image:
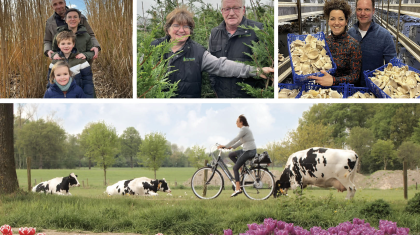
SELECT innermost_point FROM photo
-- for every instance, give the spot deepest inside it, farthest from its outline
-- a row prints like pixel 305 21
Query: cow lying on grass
pixel 139 186
pixel 321 167
pixel 59 185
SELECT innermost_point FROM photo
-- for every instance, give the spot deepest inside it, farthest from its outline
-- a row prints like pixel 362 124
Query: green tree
pixel 415 137
pixel 262 56
pixel 196 156
pixel 409 152
pixel 101 144
pixel 130 142
pixel 403 123
pixel 44 142
pixel 153 150
pixel 361 141
pixel 381 122
pixel 339 117
pixel 74 152
pixel 152 69
pixel 383 153
pixel 311 135
pixel 8 178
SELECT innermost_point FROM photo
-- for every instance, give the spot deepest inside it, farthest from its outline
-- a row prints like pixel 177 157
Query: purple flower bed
pixel 359 227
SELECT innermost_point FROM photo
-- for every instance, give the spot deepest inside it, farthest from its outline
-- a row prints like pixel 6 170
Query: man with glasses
pixel 228 40
pixel 377 45
pixel 56 20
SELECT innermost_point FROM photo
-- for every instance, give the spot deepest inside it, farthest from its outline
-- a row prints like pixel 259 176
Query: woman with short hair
pixel 344 49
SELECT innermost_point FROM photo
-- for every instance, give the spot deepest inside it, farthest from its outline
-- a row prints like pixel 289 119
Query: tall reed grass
pixel 23 66
pixel 113 25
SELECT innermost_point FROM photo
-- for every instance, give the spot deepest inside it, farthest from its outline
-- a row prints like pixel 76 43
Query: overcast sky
pixel 185 124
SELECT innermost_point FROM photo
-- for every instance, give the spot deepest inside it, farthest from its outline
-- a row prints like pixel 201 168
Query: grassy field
pixel 182 213
pixel 93 181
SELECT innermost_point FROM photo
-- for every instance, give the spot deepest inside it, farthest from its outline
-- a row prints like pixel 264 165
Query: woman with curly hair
pixel 345 50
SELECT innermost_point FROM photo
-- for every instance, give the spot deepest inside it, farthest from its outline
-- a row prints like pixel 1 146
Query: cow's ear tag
pixel 159 185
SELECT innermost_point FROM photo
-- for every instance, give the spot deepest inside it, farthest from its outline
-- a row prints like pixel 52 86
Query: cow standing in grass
pixel 320 167
pixel 139 186
pixel 59 185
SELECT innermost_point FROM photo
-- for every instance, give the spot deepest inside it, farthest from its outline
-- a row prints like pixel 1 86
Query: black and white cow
pixel 321 167
pixel 59 185
pixel 139 186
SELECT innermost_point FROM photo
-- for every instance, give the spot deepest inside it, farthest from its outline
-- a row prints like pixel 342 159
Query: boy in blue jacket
pixel 79 67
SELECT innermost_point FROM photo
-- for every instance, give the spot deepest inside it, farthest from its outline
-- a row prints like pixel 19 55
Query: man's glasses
pixel 177 27
pixel 235 9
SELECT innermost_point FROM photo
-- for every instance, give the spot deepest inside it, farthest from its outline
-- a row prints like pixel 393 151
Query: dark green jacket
pixel 83 42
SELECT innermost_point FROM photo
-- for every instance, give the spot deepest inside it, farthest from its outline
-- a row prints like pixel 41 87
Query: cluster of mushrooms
pixel 309 56
pixel 287 93
pixel 321 94
pixel 397 82
pixel 360 95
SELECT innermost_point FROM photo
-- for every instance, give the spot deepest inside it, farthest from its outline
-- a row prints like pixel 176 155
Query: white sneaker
pixel 234 194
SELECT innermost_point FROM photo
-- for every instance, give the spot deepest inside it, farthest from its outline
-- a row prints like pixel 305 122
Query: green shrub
pixel 413 205
pixel 377 209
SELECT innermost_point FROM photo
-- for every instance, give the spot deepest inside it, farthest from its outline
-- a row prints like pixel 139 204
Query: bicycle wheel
pixel 205 190
pixel 258 184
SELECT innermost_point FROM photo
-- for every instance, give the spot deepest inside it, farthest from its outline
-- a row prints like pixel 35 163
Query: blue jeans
pixel 239 157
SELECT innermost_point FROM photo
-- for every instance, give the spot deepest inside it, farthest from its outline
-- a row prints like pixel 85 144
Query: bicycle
pixel 257 182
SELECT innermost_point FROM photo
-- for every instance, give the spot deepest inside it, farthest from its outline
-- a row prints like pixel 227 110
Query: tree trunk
pixel 155 173
pixel 8 178
pixel 40 162
pixel 105 173
pixel 89 163
pixel 131 157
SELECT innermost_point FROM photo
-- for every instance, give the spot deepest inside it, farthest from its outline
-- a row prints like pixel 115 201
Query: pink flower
pixel 5 229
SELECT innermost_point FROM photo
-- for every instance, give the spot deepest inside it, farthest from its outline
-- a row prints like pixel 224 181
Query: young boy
pixel 79 67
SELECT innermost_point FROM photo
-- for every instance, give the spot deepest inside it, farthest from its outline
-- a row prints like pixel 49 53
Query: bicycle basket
pixel 262 159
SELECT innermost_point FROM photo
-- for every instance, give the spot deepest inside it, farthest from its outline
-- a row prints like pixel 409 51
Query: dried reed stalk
pixel 112 22
pixel 23 65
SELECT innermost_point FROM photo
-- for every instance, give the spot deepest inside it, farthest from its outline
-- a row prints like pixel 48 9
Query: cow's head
pixel 163 186
pixel 284 183
pixel 73 180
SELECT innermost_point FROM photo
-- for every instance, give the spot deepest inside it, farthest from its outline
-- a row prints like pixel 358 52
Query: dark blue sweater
pixel 74 91
pixel 377 46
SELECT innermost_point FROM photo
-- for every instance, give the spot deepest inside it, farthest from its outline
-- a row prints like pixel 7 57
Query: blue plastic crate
pixel 379 93
pixel 351 90
pixel 300 79
pixel 290 87
pixel 341 88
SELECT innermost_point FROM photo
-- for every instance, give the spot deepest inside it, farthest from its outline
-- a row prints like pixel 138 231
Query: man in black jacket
pixel 227 40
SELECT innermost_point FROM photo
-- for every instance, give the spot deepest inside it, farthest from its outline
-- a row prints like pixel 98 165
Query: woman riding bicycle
pixel 239 157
